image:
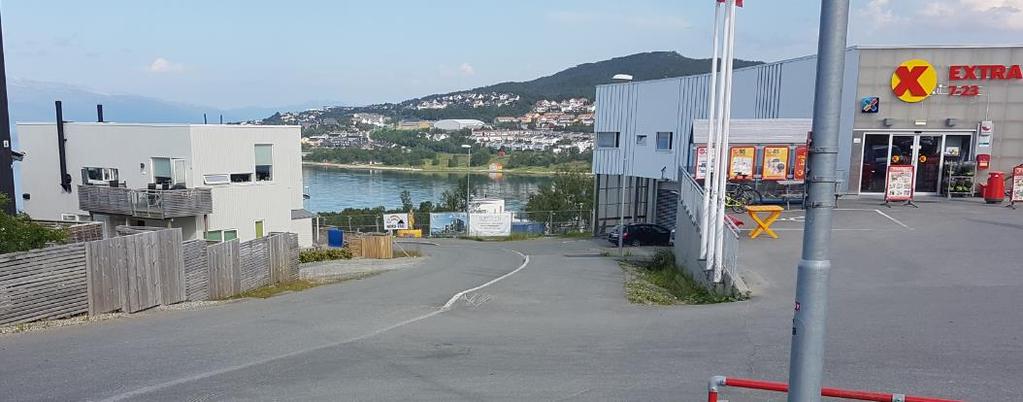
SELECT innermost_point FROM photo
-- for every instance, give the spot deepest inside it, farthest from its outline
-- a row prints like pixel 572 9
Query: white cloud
pixel 162 65
pixel 1004 15
pixel 466 69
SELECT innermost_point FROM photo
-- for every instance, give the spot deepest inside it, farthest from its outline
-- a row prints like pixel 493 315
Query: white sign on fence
pixel 395 221
pixel 490 225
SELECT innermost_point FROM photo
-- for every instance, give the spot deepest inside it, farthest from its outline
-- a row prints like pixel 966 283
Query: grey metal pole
pixel 809 323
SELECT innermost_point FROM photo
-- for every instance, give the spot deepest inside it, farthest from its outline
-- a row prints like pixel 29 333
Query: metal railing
pixel 539 223
pixel 145 203
pixel 691 199
pixel 713 388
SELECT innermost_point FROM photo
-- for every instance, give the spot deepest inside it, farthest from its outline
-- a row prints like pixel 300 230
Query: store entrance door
pixel 923 151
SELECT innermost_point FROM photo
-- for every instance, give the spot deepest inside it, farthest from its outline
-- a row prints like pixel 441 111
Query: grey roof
pixel 301 214
pixel 758 131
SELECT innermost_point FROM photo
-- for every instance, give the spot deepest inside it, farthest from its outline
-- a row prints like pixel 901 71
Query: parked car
pixel 643 234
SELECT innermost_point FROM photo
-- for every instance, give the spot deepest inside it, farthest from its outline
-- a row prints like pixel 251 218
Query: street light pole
pixel 809 323
pixel 468 163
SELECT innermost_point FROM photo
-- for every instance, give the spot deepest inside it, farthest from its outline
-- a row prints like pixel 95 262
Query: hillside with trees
pixel 575 82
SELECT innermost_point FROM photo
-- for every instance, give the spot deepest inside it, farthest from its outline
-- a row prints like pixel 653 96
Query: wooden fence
pixel 197 273
pixel 133 273
pixel 136 272
pixel 41 284
pixel 239 267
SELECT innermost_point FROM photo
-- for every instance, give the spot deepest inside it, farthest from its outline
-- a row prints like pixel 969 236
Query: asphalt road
pixel 924 301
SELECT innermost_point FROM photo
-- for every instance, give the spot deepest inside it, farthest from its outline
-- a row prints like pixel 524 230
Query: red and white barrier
pixel 720 381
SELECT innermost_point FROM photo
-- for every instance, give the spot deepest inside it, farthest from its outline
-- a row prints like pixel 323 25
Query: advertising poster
pixel 799 172
pixel 776 163
pixel 899 185
pixel 447 224
pixel 701 162
pixel 1017 184
pixel 490 225
pixel 741 162
pixel 395 221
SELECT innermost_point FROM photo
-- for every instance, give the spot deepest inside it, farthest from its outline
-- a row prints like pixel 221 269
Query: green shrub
pixel 324 254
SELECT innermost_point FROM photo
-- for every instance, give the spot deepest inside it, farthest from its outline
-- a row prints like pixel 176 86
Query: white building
pixel 458 124
pixel 218 182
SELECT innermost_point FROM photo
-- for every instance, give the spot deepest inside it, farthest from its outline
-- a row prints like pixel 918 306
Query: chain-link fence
pixel 532 223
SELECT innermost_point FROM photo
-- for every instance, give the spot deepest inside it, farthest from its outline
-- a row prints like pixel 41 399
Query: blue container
pixel 335 237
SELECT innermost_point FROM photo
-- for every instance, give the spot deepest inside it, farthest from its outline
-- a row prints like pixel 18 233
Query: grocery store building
pixel 952 112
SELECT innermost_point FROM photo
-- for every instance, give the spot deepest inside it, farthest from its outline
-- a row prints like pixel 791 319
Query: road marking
pixel 454 299
pixel 897 222
pixel 225 370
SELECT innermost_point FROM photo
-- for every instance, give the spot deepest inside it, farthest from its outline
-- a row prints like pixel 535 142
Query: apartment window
pixel 264 162
pixel 216 179
pixel 664 140
pixel 95 175
pixel 241 177
pixel 221 235
pixel 641 139
pixel 607 139
pixel 169 170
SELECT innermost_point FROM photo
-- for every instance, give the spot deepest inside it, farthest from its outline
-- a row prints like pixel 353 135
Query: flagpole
pixel 709 169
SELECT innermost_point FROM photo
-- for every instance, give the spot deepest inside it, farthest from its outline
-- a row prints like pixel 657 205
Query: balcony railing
pixel 151 204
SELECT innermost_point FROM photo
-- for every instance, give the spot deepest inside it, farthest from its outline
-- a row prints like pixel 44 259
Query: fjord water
pixel 334 189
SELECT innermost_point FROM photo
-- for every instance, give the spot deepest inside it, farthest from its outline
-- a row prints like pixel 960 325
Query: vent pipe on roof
pixel 221 119
pixel 204 118
pixel 65 179
pixel 99 113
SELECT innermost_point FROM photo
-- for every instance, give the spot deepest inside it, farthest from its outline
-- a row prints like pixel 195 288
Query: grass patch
pixel 658 282
pixel 273 290
pixel 324 254
pixel 576 235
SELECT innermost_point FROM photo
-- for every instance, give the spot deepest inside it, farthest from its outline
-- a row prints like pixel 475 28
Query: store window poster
pixel 741 162
pixel 776 163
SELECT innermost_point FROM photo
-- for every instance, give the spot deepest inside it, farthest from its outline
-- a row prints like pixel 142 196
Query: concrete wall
pixel 1001 101
pixel 127 147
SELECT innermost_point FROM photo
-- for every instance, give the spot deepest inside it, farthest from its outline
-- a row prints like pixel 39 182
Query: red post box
pixel 994 191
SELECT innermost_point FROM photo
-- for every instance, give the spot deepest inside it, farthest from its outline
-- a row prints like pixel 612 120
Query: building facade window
pixel 664 140
pixel 95 175
pixel 641 139
pixel 241 177
pixel 169 171
pixel 221 235
pixel 607 139
pixel 216 179
pixel 264 162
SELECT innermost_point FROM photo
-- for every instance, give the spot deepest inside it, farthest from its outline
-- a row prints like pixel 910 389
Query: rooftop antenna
pixel 204 118
pixel 99 113
pixel 221 119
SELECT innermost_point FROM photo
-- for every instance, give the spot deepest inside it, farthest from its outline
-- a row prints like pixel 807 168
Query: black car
pixel 643 234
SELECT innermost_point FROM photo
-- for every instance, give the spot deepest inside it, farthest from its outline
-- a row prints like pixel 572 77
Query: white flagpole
pixel 717 193
pixel 726 116
pixel 710 168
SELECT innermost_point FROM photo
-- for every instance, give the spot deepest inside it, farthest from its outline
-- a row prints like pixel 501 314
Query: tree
pixel 454 199
pixel 452 161
pixel 406 200
pixel 480 157
pixel 425 206
pixel 569 196
pixel 19 233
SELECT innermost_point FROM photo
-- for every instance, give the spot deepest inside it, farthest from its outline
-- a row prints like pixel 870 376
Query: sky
pixel 239 53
